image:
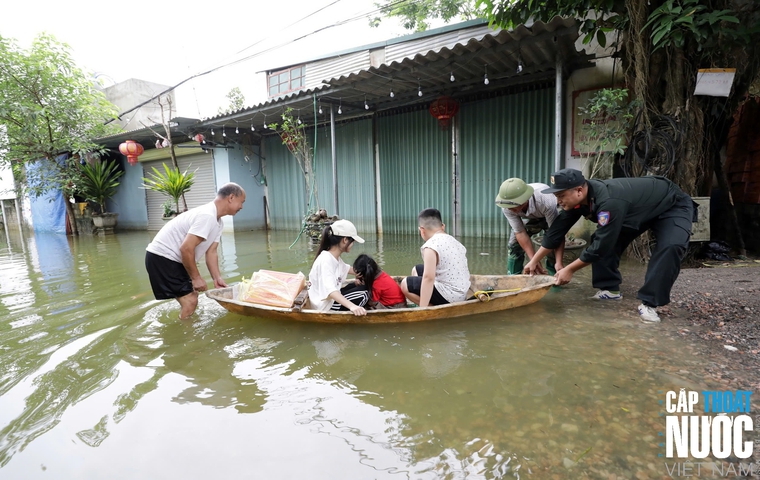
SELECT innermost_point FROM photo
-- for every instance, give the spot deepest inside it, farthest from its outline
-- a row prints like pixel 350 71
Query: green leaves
pixel 676 22
pixel 601 38
pixel 236 101
pixel 293 135
pixel 597 17
pixel 48 106
pixel 416 15
pixel 171 182
pixel 607 119
pixel 99 181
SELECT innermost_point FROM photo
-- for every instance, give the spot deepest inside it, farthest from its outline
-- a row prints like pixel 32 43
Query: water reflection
pixel 51 257
pixel 94 369
pixel 204 355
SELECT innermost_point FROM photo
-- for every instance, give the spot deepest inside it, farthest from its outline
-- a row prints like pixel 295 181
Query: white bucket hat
pixel 344 228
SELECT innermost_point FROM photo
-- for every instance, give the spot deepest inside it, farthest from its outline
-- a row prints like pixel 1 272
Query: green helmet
pixel 513 193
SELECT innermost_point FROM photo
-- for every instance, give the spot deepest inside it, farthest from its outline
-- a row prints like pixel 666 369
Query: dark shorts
pixel 168 278
pixel 414 284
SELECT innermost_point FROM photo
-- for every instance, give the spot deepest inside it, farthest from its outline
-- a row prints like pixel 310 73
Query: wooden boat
pixel 488 293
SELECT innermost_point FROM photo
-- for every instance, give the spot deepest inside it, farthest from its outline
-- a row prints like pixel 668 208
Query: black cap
pixel 564 179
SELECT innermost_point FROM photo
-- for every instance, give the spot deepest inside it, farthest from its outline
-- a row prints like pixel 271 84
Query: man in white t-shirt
pixel 171 257
pixel 528 212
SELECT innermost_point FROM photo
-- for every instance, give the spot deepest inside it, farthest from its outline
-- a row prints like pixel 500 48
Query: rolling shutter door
pixel 202 191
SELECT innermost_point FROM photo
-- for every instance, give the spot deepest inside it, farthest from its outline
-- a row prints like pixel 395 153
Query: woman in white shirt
pixel 328 272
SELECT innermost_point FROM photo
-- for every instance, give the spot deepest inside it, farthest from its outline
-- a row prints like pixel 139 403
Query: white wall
pixel 598 76
pixel 133 92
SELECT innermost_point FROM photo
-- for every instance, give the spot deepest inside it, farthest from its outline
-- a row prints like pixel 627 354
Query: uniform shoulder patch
pixel 603 218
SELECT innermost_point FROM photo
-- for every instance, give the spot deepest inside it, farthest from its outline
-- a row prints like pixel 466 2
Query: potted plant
pixel 169 212
pixel 315 223
pixel 172 183
pixel 98 181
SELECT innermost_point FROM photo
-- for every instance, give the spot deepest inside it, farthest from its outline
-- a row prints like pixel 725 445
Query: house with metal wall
pixel 379 154
pixel 214 164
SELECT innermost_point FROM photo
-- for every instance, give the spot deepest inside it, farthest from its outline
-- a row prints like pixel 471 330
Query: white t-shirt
pixel 452 275
pixel 200 221
pixel 326 276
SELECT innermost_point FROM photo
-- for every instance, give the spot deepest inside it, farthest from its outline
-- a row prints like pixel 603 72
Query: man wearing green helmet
pixel 529 212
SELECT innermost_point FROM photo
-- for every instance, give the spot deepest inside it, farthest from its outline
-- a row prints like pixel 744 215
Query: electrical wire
pixel 653 148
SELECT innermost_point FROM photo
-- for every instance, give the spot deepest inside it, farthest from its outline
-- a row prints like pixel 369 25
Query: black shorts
pixel 168 278
pixel 414 284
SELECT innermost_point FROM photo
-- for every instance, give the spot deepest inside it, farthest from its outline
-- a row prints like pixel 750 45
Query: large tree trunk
pixel 663 81
pixel 725 194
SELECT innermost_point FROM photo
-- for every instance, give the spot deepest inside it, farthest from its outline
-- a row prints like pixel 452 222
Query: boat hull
pixel 531 290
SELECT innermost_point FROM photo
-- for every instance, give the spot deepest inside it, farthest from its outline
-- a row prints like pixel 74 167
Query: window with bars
pixel 285 81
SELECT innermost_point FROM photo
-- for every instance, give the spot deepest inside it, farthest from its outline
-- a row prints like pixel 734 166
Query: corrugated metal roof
pixel 180 126
pixel 463 26
pixel 467 53
pixel 316 71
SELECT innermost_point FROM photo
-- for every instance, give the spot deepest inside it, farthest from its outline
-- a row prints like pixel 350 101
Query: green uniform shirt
pixel 613 205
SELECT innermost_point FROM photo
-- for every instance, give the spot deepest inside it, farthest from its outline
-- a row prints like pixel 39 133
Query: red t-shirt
pixel 386 291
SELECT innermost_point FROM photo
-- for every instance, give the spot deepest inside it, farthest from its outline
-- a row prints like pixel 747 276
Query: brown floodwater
pixel 99 380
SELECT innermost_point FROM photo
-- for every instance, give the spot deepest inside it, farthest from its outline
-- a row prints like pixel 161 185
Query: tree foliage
pixel 48 106
pixel 293 135
pixel 609 114
pixel 416 15
pixel 236 99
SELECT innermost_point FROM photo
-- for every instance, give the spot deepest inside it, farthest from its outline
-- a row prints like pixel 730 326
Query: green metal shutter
pixel 356 177
pixel 415 169
pixel 286 186
pixel 356 173
pixel 504 137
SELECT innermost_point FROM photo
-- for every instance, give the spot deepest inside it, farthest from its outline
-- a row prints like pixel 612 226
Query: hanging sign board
pixel 715 82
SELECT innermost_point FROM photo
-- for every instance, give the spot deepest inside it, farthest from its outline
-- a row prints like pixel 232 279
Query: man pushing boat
pixel 623 209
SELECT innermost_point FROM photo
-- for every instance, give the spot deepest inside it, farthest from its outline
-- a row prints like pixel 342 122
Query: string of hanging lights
pixel 442 108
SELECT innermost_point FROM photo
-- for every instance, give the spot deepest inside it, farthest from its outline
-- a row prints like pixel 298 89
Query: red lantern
pixel 444 109
pixel 199 138
pixel 131 150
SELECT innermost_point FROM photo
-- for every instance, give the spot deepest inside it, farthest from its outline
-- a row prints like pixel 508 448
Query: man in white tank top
pixel 444 276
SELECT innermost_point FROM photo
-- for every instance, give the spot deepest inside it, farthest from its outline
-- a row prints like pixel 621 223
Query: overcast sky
pixel 168 41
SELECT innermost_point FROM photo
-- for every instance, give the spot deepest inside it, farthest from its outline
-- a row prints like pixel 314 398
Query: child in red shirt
pixel 386 293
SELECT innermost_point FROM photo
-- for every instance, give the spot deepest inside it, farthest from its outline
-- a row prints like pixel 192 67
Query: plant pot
pixel 105 222
pixel 314 230
pixel 166 218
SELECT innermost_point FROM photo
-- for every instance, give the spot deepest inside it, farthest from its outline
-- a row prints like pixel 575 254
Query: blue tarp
pixel 48 210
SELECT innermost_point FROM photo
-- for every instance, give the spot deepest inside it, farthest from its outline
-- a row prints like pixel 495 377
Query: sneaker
pixel 648 314
pixel 607 295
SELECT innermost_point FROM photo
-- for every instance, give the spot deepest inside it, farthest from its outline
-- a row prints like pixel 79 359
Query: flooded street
pixel 98 380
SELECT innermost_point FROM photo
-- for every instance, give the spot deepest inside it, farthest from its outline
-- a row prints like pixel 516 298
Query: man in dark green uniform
pixel 623 209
